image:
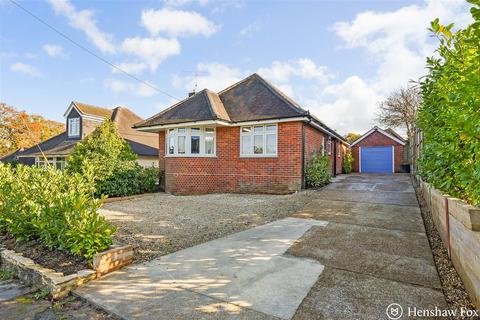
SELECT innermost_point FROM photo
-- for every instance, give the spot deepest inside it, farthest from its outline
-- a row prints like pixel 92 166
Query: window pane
pixel 171 145
pixel 209 130
pixel 195 130
pixel 271 143
pixel 181 130
pixel 181 144
pixel 271 128
pixel 258 129
pixel 209 144
pixel 246 147
pixel 246 129
pixel 258 144
pixel 195 144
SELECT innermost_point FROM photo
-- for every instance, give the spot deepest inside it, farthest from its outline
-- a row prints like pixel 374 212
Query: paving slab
pixel 398 198
pixel 246 272
pixel 340 294
pixel 390 254
pixel 397 217
pixel 10 289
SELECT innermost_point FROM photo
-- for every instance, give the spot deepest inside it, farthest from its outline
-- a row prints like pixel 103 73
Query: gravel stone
pixel 160 223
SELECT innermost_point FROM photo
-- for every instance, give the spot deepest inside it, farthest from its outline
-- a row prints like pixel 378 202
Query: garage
pixel 376 159
pixel 378 151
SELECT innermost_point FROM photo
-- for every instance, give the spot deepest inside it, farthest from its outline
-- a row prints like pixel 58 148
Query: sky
pixel 338 59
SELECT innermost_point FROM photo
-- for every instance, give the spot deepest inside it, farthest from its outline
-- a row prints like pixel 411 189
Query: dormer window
pixel 74 127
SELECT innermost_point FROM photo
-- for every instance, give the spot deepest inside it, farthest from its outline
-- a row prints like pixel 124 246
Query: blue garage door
pixel 377 159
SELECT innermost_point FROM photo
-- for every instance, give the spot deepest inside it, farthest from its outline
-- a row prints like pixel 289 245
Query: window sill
pixel 258 156
pixel 191 156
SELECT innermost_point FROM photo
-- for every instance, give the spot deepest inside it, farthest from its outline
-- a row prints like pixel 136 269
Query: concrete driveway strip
pixel 242 276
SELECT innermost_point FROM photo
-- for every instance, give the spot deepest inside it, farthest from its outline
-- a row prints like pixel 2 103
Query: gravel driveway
pixel 158 224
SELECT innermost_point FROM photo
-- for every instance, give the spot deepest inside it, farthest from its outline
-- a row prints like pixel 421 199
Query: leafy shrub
pixel 129 178
pixel 348 162
pixel 116 171
pixel 318 171
pixel 54 207
pixel 450 115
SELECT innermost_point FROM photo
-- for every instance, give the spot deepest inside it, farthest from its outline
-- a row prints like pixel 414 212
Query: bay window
pixel 258 141
pixel 192 141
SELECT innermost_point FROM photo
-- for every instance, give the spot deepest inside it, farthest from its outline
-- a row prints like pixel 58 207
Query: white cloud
pixel 84 20
pixel 214 76
pixel 25 69
pixel 283 71
pixel 177 23
pixel 55 51
pixel 130 67
pixel 151 50
pixel 131 88
pixel 250 28
pixel 179 3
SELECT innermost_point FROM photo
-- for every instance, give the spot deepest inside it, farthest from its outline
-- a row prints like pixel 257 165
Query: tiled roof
pixel 250 99
pixel 92 110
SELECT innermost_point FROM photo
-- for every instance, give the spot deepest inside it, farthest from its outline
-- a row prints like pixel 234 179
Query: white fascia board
pixel 218 123
pixel 369 132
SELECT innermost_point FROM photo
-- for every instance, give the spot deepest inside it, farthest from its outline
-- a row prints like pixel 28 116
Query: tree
pixel 351 137
pixel 104 149
pixel 400 108
pixel 20 130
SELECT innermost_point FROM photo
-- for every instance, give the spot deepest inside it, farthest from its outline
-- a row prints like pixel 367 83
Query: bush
pixel 129 178
pixel 449 117
pixel 116 170
pixel 54 207
pixel 348 162
pixel 318 171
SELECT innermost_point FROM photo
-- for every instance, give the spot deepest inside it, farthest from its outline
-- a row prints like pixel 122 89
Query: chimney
pixel 191 93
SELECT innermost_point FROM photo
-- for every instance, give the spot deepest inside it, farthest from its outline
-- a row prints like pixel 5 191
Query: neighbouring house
pixel 379 151
pixel 250 137
pixel 81 120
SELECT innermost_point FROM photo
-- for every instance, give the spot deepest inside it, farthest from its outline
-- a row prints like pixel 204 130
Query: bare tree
pixel 399 110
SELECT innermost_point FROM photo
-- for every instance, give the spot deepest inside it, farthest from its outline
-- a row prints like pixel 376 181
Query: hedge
pixel 450 115
pixel 52 206
pixel 318 171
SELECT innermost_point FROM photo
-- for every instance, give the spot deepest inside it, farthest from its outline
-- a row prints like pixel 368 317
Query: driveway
pixel 356 247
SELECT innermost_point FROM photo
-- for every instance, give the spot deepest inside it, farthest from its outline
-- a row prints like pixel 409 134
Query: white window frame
pixel 175 134
pixel 52 161
pixel 74 123
pixel 264 133
pixel 329 146
pixel 323 146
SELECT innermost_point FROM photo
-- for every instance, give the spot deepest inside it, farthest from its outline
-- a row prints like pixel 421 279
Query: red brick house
pixel 378 151
pixel 249 137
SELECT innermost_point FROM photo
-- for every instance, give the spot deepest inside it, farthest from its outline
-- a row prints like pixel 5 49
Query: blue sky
pixel 336 58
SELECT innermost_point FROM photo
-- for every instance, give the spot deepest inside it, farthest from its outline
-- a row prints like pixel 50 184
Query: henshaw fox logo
pixel 394 311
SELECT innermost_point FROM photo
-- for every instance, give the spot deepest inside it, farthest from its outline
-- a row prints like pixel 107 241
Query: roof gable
pixel 384 132
pixel 88 110
pixel 255 99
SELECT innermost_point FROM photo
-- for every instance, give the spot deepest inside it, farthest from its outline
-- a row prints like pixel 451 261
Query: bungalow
pixel 81 120
pixel 249 137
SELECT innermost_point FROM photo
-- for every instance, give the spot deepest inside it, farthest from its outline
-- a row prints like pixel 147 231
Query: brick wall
pixel 377 139
pixel 228 172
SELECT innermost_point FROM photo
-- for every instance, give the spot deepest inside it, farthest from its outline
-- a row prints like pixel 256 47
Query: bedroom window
pixel 191 142
pixel 258 141
pixel 74 127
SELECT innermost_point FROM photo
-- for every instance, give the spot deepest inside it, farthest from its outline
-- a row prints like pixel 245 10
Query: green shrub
pixel 129 178
pixel 450 115
pixel 53 206
pixel 318 171
pixel 348 162
pixel 116 170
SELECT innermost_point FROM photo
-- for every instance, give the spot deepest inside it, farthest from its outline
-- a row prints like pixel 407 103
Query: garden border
pixel 60 285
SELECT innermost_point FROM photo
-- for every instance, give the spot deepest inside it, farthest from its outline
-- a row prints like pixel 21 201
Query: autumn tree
pixel 351 137
pixel 20 130
pixel 399 109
